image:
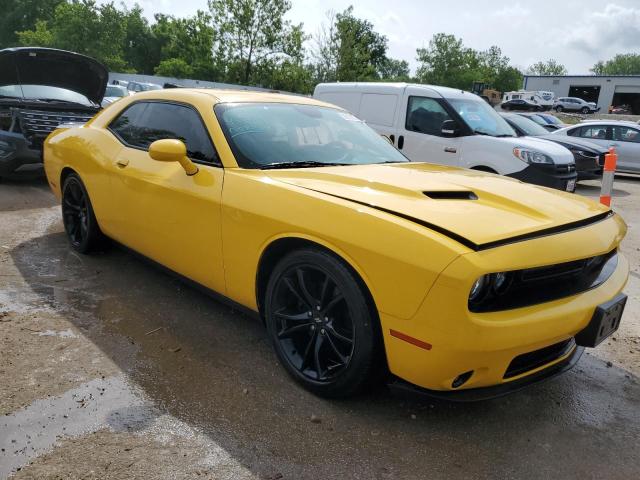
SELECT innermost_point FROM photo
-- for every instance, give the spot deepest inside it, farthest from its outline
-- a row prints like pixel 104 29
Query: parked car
pixel 533 100
pixel 588 156
pixel 41 88
pixel 621 110
pixel 136 87
pixel 574 104
pixel 358 261
pixel 114 93
pixel 521 104
pixel 546 120
pixel 452 127
pixel 624 136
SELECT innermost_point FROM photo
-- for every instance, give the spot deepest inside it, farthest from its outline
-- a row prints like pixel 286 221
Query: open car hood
pixel 54 68
pixel 477 209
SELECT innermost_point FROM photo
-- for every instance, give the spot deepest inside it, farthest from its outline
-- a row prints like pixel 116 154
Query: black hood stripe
pixel 470 244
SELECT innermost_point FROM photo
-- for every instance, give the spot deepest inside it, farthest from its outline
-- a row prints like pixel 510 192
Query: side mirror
pixel 449 128
pixel 169 150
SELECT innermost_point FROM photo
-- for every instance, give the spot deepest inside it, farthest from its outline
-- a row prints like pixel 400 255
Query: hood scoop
pixel 451 195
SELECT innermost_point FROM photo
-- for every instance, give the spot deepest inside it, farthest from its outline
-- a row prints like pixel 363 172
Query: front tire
pixel 320 323
pixel 78 218
pixel 585 110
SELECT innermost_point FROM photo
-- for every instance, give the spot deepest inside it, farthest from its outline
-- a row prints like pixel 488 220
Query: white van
pixel 540 99
pixel 452 127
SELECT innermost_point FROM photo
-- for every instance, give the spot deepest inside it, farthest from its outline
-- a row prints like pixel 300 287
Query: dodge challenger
pixel 455 283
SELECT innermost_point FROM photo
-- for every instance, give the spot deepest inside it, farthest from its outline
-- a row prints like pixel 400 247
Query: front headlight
pixel 532 156
pixel 489 286
pixel 5 149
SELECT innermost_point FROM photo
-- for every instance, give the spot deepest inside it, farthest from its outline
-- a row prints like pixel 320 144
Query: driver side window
pixel 425 115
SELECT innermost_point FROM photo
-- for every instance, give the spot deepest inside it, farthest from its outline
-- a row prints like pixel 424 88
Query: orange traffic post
pixel 610 160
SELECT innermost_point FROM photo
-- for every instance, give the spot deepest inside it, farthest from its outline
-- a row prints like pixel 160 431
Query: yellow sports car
pixel 459 283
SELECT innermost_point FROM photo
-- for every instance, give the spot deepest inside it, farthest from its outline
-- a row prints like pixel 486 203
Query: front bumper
pixel 552 176
pixel 588 168
pixel 486 393
pixel 17 153
pixel 487 343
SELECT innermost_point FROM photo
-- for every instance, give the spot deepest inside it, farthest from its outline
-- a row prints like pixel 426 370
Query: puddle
pixel 34 430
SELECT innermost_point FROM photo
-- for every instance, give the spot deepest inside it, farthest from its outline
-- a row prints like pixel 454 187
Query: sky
pixel 576 33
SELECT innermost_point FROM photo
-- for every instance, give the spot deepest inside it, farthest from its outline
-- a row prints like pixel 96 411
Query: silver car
pixel 574 104
pixel 624 136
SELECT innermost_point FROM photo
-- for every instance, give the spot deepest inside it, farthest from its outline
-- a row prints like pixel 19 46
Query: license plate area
pixel 605 321
pixel 571 185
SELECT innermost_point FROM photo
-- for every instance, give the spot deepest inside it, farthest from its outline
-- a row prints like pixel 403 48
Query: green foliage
pixel 448 62
pixel 360 50
pixel 550 67
pixel 21 15
pixel 243 41
pixel 40 36
pixel 174 67
pixel 621 64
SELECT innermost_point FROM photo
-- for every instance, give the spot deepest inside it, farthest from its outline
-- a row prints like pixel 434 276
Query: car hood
pixel 477 209
pixel 575 142
pixel 54 68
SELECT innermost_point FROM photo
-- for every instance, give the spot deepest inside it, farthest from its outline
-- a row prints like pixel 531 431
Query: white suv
pixel 574 104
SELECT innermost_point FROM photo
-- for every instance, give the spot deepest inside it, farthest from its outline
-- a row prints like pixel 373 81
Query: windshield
pixel 481 117
pixel 43 92
pixel 529 127
pixel 269 134
pixel 116 91
pixel 550 119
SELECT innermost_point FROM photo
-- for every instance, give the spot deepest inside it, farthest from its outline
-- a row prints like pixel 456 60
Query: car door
pixel 420 130
pixel 626 141
pixel 165 214
pixel 596 133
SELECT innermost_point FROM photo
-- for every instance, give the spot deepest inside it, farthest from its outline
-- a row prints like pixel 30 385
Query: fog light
pixel 461 379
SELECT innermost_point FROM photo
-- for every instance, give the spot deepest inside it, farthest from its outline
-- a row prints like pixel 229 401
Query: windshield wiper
pixel 482 132
pixel 309 163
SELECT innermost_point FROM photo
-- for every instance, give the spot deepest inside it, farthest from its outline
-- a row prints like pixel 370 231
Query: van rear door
pixel 419 125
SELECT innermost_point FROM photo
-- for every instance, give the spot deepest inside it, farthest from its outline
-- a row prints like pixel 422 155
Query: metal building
pixel 603 90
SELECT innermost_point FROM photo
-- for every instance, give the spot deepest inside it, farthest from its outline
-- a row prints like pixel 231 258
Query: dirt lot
pixel 113 369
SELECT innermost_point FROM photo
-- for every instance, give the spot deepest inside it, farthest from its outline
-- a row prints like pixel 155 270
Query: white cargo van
pixel 452 127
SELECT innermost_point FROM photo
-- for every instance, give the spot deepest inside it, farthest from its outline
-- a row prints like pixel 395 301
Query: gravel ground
pixel 113 369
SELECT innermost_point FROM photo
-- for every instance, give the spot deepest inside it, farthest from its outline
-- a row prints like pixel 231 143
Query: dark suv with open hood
pixel 41 88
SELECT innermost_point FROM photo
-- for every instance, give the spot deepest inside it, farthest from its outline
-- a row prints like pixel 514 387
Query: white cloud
pixel 614 27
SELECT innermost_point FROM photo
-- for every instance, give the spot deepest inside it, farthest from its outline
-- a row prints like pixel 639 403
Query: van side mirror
pixel 171 150
pixel 450 128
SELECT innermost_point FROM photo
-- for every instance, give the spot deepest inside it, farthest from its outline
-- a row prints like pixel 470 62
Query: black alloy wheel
pixel 320 323
pixel 559 108
pixel 585 110
pixel 77 216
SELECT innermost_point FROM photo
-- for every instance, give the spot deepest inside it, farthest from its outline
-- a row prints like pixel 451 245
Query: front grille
pixel 538 358
pixel 37 124
pixel 537 285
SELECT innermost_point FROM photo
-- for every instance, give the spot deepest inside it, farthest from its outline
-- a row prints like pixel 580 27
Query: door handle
pixel 400 142
pixel 450 149
pixel 122 162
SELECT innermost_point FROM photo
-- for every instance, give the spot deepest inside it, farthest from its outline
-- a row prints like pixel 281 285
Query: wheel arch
pixel 277 248
pixel 483 168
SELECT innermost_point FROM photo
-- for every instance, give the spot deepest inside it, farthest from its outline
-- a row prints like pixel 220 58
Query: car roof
pixel 625 123
pixel 445 92
pixel 232 96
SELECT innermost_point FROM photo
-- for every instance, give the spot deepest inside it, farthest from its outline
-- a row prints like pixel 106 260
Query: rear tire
pixel 78 218
pixel 559 108
pixel 321 325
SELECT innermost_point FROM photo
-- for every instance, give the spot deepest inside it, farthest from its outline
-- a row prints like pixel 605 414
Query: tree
pixel 325 50
pixel 494 70
pixel 174 67
pixel 40 36
pixel 252 35
pixel 393 69
pixel 550 67
pixel 447 62
pixel 22 15
pixel 360 50
pixel 621 64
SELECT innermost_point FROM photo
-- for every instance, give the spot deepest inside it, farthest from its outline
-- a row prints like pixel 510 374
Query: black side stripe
pixel 468 243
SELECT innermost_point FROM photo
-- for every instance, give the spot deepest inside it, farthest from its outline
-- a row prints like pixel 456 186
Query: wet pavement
pixel 113 369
